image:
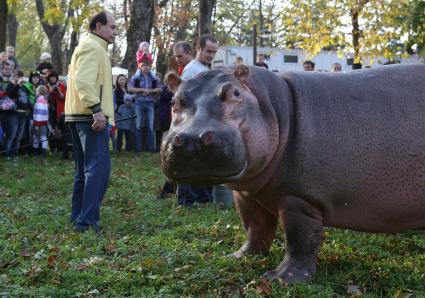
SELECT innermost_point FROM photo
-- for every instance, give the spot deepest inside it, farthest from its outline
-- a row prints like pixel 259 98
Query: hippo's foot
pixel 250 248
pixel 293 271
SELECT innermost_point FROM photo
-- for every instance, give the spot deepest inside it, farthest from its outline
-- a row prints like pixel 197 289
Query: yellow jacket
pixel 89 87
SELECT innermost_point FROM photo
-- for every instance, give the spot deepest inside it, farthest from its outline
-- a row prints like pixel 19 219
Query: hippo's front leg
pixel 259 224
pixel 303 236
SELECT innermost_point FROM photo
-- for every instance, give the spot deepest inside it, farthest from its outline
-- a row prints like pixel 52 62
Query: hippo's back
pixel 357 146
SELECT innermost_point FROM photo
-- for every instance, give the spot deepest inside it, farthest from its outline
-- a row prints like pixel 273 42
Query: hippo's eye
pixel 236 93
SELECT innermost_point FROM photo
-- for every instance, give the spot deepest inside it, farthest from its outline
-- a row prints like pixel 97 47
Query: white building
pixel 279 59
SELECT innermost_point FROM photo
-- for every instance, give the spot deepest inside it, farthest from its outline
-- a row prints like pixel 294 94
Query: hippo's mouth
pixel 208 179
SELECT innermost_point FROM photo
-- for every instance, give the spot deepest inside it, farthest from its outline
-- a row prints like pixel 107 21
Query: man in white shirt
pixel 182 51
pixel 206 51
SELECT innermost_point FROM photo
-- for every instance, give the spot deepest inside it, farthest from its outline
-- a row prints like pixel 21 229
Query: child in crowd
pixel 143 53
pixel 41 120
pixel 125 127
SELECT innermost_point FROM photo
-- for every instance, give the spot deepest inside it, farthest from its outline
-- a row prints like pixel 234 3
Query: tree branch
pixel 240 17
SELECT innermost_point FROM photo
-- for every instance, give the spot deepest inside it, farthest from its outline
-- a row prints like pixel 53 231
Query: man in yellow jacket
pixel 88 109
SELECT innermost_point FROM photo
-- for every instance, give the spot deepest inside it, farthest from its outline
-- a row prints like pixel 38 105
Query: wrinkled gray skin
pixel 341 150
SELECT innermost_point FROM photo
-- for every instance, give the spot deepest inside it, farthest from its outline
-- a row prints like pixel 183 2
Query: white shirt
pixel 192 69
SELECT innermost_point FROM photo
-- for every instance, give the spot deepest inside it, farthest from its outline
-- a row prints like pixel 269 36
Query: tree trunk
pixel 206 8
pixel 141 20
pixel 55 35
pixel 3 24
pixel 355 30
pixel 355 35
pixel 12 29
pixel 72 45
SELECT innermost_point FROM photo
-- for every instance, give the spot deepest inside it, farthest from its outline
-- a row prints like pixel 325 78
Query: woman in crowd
pixel 17 119
pixel 56 96
pixel 30 88
pixel 120 90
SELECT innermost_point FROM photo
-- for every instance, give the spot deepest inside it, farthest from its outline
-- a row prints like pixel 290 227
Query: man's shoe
pixel 81 228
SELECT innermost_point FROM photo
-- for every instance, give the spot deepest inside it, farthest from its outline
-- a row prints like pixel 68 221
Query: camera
pixel 55 88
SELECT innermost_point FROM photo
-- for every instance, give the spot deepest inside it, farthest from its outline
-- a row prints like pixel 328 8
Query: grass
pixel 154 248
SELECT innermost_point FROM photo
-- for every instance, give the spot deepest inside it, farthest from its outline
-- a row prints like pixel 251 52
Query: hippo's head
pixel 218 133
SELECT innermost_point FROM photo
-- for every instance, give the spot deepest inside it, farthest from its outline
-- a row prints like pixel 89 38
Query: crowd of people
pixel 32 116
pixel 31 109
pixel 144 95
pixel 87 116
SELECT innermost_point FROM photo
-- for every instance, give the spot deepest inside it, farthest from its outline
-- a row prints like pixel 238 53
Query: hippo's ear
pixel 241 72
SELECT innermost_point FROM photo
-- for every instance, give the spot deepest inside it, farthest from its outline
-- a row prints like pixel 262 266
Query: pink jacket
pixel 140 56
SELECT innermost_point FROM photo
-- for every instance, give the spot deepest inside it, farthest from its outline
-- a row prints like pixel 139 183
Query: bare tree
pixel 141 21
pixel 206 8
pixel 173 21
pixel 3 23
pixel 12 29
pixel 55 34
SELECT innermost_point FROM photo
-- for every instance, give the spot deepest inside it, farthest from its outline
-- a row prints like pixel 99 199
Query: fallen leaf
pixel 82 267
pixel 25 254
pixel 153 277
pixel 148 263
pixel 51 261
pixel 39 255
pixel 94 292
pixel 185 267
pixel 354 290
pixel 54 250
pixel 264 287
pixel 110 248
pixel 32 271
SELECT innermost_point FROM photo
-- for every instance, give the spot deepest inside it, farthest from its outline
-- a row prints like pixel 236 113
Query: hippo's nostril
pixel 177 141
pixel 207 137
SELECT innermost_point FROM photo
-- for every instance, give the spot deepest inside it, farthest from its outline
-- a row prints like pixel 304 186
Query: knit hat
pixel 45 56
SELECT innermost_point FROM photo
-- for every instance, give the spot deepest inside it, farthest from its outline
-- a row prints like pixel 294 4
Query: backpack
pixel 138 77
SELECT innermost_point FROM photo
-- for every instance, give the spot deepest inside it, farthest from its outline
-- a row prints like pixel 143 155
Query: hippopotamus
pixel 344 150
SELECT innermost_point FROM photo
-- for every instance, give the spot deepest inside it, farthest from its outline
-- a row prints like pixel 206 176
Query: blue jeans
pixel 121 133
pixel 40 137
pixel 15 126
pixel 92 170
pixel 144 112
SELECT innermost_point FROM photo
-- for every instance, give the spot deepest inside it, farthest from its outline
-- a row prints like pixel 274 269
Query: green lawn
pixel 154 248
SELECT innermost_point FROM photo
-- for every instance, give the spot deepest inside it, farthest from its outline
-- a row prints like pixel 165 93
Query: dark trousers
pixel 15 126
pixel 92 170
pixel 65 139
pixel 188 194
pixel 121 134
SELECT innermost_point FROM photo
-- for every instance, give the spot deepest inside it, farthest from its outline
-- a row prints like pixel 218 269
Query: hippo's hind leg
pixel 259 224
pixel 303 237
